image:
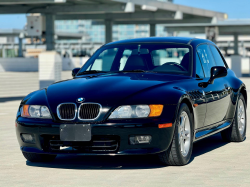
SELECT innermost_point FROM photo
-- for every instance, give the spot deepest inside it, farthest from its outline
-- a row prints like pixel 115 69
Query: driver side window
pixel 206 58
pixel 199 69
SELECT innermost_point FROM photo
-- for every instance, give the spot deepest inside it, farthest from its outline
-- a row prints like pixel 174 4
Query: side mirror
pixel 216 72
pixel 75 71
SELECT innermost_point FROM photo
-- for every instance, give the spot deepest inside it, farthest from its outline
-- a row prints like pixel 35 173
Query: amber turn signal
pixel 195 105
pixel 155 110
pixel 25 111
pixel 165 125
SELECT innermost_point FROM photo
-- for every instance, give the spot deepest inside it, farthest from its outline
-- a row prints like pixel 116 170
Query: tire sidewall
pixel 243 136
pixel 185 159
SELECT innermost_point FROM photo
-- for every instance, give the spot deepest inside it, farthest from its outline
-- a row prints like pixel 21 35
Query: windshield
pixel 164 58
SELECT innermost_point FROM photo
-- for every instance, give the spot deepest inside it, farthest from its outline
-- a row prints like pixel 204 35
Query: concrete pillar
pixel 236 58
pixel 152 29
pixel 236 42
pixel 50 67
pixel 49 62
pixel 20 47
pixel 108 30
pixel 50 32
pixel 4 53
pixel 236 65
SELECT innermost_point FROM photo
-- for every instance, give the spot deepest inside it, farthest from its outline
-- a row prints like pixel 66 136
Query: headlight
pixel 35 111
pixel 136 111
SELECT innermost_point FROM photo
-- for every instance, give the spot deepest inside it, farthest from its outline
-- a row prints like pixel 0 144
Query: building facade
pixel 96 33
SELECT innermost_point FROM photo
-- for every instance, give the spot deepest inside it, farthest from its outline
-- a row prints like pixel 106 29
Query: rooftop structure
pixel 109 13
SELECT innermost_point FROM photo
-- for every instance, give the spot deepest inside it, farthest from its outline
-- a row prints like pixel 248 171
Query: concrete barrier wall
pixel 31 64
pixel 19 64
pixel 245 67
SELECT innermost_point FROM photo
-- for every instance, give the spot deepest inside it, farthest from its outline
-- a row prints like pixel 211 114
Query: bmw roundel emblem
pixel 80 100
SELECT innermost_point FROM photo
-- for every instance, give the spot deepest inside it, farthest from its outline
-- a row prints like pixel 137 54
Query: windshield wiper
pixel 91 72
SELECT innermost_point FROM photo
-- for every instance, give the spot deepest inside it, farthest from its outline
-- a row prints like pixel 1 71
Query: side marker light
pixel 195 105
pixel 165 125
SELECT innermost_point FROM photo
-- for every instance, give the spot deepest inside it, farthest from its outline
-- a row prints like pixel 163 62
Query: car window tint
pixel 199 70
pixel 171 56
pixel 218 60
pixel 104 60
pixel 206 59
pixel 126 53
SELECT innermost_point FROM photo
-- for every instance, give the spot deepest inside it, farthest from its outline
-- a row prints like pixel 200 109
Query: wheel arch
pixel 244 93
pixel 185 99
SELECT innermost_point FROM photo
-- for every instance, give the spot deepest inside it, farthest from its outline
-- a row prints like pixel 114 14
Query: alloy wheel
pixel 241 117
pixel 184 133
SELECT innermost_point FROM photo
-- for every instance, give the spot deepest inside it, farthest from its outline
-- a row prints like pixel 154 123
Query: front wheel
pixel 33 157
pixel 237 131
pixel 180 150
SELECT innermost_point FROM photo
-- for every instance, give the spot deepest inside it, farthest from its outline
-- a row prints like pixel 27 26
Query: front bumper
pixel 47 131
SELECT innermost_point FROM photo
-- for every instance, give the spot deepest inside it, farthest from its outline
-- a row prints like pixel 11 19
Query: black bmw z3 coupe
pixel 154 95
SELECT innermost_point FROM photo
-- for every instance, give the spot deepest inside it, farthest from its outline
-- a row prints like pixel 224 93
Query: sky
pixel 236 9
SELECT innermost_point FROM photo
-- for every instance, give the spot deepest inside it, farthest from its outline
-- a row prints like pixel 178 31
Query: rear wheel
pixel 33 157
pixel 237 131
pixel 180 150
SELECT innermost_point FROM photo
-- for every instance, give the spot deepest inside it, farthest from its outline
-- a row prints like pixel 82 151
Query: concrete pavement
pixel 214 163
pixel 21 83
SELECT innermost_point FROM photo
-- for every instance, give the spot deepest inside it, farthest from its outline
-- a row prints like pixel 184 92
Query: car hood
pixel 108 89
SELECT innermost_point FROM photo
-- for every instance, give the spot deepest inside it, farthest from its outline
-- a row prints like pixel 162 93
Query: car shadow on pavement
pixel 206 145
pixel 125 162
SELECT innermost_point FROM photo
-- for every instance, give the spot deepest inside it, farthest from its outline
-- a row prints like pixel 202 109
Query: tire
pixel 33 157
pixel 237 131
pixel 176 154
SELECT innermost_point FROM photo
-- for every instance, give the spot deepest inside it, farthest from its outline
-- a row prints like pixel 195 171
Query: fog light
pixel 28 138
pixel 140 139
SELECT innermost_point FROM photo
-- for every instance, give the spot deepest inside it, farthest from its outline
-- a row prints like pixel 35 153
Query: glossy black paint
pixel 216 103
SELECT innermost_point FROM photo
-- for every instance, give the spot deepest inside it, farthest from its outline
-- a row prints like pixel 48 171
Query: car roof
pixel 182 40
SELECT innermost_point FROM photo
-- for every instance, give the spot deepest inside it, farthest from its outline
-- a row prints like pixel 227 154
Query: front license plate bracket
pixel 75 132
